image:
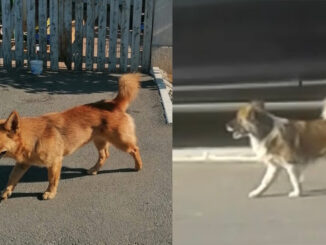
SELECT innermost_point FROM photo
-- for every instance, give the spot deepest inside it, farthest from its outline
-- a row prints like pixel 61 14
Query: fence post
pixel 54 51
pixel 136 35
pixel 78 45
pixel 148 27
pixel 124 44
pixel 6 30
pixel 114 11
pixel 67 33
pixel 101 41
pixel 19 52
pixel 42 31
pixel 90 35
pixel 30 30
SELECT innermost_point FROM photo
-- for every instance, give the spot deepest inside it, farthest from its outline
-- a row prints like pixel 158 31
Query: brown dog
pixel 45 140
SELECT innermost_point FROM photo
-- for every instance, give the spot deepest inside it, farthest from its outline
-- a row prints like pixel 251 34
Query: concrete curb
pixel 233 106
pixel 215 155
pixel 166 101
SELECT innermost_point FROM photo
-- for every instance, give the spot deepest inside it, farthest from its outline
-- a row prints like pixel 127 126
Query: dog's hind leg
pixel 269 176
pixel 131 148
pixel 294 173
pixel 16 174
pixel 103 150
pixel 134 152
pixel 54 177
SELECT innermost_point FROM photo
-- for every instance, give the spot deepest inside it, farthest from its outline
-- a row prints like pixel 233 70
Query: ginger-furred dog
pixel 44 141
pixel 280 143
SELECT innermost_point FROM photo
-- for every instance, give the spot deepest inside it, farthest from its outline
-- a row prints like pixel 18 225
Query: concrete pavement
pixel 210 206
pixel 118 206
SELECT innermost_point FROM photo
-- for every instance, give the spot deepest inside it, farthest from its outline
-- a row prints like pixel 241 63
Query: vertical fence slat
pixel 54 51
pixel 78 45
pixel 102 7
pixel 19 34
pixel 6 37
pixel 42 30
pixel 124 44
pixel 114 14
pixel 31 29
pixel 90 35
pixel 148 25
pixel 136 35
pixel 67 33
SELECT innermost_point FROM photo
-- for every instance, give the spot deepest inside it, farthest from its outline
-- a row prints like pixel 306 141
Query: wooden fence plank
pixel 42 30
pixel 102 7
pixel 31 29
pixel 54 51
pixel 18 6
pixel 90 35
pixel 114 14
pixel 67 55
pixel 78 45
pixel 148 25
pixel 6 37
pixel 124 44
pixel 135 45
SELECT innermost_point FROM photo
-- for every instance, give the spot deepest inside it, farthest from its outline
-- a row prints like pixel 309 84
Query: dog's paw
pixel 254 194
pixel 48 195
pixel 5 194
pixel 92 171
pixel 294 194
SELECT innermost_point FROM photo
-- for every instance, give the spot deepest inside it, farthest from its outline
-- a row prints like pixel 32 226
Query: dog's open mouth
pixel 2 154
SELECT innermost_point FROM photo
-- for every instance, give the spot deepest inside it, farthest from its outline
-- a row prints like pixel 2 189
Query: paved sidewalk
pixel 118 206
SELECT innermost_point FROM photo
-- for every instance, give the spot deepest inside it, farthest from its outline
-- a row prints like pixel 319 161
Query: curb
pixel 233 106
pixel 214 155
pixel 166 101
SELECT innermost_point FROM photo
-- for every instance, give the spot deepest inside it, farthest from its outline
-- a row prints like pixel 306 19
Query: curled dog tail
pixel 323 113
pixel 128 90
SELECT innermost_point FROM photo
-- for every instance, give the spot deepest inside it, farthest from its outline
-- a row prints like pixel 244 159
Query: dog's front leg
pixel 269 176
pixel 294 173
pixel 54 177
pixel 16 174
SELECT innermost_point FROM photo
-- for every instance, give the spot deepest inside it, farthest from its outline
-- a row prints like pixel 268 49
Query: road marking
pixel 221 154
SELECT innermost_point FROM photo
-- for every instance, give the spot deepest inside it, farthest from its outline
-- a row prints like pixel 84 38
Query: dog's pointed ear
pixel 12 123
pixel 258 104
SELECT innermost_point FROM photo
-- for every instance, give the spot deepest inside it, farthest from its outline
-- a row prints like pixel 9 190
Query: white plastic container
pixel 36 67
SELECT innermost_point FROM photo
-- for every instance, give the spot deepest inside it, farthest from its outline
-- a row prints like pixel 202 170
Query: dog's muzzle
pixel 2 154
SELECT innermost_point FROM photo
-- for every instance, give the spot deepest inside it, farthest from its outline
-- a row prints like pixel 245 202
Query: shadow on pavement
pixel 35 174
pixel 306 193
pixel 65 82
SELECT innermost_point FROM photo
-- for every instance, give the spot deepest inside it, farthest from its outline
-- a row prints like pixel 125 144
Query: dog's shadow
pixel 306 193
pixel 35 174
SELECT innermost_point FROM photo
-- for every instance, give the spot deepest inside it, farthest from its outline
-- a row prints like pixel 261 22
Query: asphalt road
pixel 118 206
pixel 210 206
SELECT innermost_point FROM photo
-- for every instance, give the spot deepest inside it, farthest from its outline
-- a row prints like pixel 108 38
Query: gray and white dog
pixel 280 143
